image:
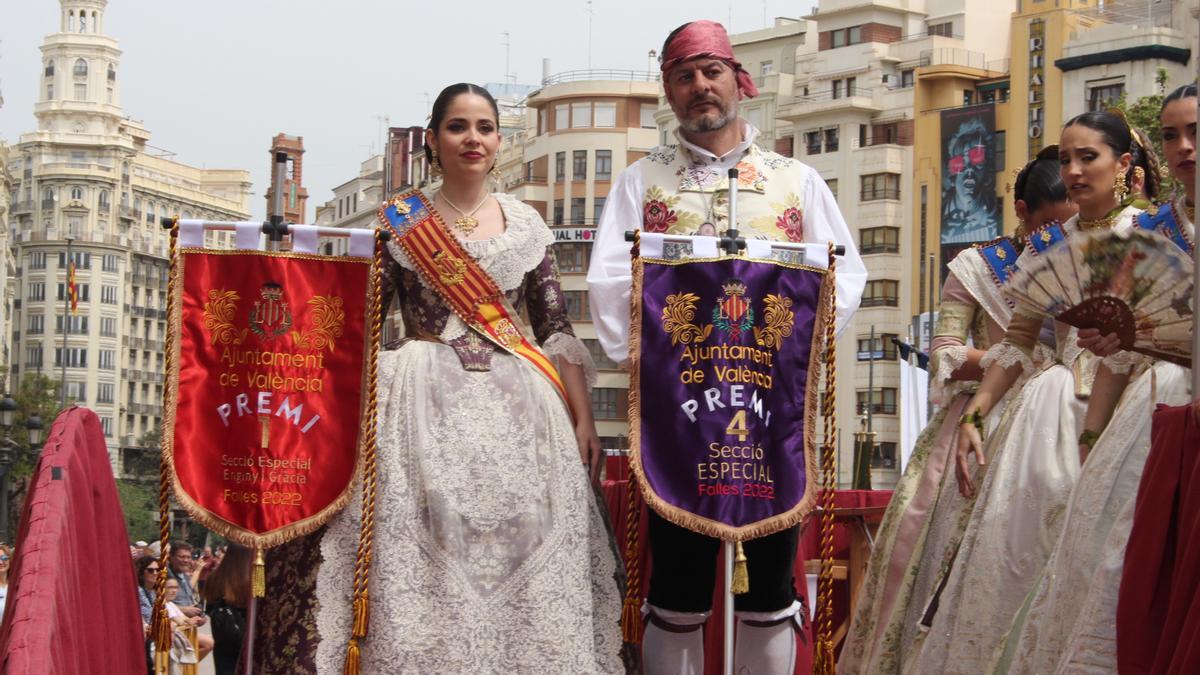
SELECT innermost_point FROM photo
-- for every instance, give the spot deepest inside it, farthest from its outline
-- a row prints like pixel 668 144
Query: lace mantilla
pixel 1123 362
pixel 572 350
pixel 943 386
pixel 1007 355
pixel 525 233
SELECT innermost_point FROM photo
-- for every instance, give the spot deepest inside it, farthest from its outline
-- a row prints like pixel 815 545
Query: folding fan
pixel 1135 284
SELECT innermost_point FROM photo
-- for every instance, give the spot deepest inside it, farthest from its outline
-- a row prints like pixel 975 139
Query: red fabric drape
pixel 616 496
pixel 1158 620
pixel 72 604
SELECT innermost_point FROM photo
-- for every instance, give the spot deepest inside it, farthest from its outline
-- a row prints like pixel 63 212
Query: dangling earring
pixel 1139 176
pixel 1120 187
pixel 435 166
pixel 495 172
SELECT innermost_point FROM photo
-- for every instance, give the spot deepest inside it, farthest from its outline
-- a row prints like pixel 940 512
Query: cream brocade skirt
pixel 1033 461
pixel 491 552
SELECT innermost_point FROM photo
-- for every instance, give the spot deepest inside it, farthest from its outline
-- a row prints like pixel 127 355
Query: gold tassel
pixel 361 615
pixel 259 578
pixel 352 658
pixel 741 576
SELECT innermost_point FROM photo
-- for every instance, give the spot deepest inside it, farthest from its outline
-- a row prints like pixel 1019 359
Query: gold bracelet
pixel 974 418
pixel 1089 438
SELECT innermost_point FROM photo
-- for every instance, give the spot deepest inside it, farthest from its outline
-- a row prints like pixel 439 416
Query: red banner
pixel 265 422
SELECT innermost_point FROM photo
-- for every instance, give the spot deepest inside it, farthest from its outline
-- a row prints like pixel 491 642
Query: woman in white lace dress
pixel 1069 620
pixel 1023 472
pixel 926 515
pixel 491 552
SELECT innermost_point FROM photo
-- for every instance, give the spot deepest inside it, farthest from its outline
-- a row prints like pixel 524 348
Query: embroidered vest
pixel 682 199
pixel 1164 220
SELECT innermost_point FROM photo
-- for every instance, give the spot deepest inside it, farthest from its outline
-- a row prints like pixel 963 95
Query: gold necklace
pixel 466 222
pixel 1105 222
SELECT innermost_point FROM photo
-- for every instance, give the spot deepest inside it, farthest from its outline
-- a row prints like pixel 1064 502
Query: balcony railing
pixel 586 75
pixel 828 95
pixel 23 207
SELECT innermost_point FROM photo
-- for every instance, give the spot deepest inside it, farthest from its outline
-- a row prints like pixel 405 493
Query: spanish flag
pixel 72 291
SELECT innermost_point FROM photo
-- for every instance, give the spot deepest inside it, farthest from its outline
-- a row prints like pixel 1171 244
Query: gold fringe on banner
pixel 823 662
pixel 741 576
pixel 366 533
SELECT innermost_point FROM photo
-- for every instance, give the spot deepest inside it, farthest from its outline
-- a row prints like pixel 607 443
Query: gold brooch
pixel 402 206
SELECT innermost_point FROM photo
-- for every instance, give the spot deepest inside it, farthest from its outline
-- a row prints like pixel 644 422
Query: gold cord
pixel 823 663
pixel 366 533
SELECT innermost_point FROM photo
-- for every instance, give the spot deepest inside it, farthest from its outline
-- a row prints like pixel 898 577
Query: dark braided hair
pixel 447 97
pixel 1040 182
pixel 1119 136
pixel 1185 91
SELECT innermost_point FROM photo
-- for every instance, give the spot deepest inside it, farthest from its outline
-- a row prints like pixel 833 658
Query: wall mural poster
pixel 970 207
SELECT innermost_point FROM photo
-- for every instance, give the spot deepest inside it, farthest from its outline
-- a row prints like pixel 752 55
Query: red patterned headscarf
pixel 706 39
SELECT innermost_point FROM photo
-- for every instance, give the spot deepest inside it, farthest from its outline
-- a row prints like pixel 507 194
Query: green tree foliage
pixel 139 502
pixel 34 393
pixel 1143 114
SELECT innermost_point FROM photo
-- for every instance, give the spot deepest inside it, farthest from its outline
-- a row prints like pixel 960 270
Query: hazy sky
pixel 214 80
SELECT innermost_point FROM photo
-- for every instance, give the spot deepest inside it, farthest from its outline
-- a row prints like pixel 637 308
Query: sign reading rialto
pixel 725 391
pixel 270 400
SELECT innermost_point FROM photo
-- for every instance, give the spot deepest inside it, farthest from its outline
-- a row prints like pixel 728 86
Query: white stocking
pixel 666 652
pixel 769 649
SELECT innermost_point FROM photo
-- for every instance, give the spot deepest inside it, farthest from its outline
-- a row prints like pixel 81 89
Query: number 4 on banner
pixel 737 426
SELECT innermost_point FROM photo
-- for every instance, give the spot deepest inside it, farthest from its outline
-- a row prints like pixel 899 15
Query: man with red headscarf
pixel 683 189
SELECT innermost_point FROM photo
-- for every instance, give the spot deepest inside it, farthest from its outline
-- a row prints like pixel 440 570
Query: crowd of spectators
pixel 202 586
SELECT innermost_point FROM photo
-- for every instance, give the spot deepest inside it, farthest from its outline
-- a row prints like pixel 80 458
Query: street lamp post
pixel 9 449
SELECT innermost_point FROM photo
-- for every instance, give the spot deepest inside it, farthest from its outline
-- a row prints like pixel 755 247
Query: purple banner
pixel 724 393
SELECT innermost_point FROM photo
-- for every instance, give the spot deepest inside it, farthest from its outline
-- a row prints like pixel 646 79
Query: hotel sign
pixel 566 235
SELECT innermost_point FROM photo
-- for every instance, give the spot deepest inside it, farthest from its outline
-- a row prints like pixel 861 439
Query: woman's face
pixel 150 574
pixel 171 590
pixel 4 559
pixel 467 139
pixel 1089 168
pixel 1179 140
pixel 1053 212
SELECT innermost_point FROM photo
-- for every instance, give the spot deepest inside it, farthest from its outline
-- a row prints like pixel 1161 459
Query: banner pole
pixel 275 229
pixel 732 244
pixel 728 613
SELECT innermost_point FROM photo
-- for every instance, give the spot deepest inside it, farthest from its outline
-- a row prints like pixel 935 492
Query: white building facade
pixel 88 175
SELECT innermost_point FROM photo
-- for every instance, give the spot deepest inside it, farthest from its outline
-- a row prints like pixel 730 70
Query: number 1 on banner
pixel 737 426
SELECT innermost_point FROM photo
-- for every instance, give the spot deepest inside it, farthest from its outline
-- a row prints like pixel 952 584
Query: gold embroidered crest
pixel 508 333
pixel 328 317
pixel 218 317
pixel 451 270
pixel 677 319
pixel 780 320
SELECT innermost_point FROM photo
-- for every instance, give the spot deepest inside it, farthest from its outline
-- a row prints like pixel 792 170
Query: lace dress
pixel 1033 463
pixel 1068 623
pixel 926 515
pixel 491 553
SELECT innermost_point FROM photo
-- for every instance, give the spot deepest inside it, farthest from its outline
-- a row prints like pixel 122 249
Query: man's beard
pixel 706 123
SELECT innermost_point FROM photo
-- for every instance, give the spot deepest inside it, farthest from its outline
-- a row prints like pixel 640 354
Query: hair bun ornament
pixel 1133 135
pixel 1012 180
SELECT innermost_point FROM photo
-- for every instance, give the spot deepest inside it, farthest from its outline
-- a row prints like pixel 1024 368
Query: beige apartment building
pixel 88 175
pixel 582 128
pixel 835 92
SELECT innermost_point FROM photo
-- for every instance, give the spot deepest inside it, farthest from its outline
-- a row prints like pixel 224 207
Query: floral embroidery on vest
pixel 692 200
pixel 791 217
pixel 659 214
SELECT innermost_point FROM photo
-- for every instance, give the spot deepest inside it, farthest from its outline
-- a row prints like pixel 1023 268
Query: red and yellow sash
pixel 457 277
